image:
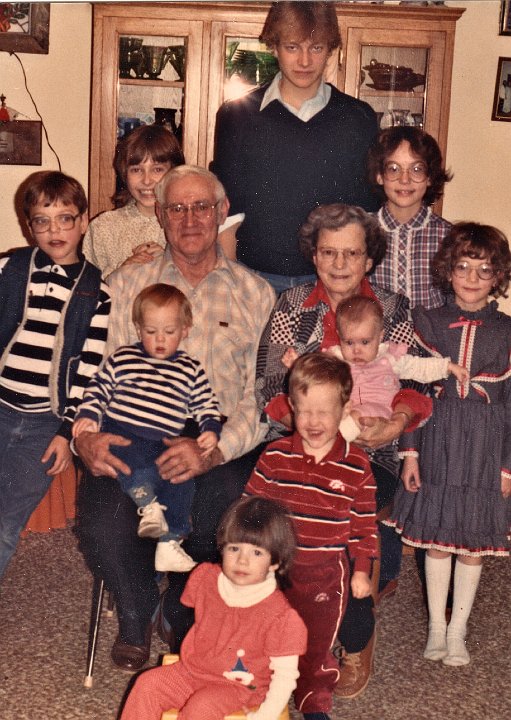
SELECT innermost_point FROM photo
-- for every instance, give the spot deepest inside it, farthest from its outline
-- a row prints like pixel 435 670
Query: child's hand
pixel 505 484
pixel 410 474
pixel 460 373
pixel 360 584
pixel 59 447
pixel 144 253
pixel 289 357
pixel 84 425
pixel 207 441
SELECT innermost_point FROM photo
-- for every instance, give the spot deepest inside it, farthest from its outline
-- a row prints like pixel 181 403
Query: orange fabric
pixel 57 506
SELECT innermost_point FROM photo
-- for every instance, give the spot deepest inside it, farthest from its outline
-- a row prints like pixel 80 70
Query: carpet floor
pixel 45 601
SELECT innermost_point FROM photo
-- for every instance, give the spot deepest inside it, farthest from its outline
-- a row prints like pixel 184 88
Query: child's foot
pixel 457 653
pixel 170 557
pixel 436 647
pixel 152 523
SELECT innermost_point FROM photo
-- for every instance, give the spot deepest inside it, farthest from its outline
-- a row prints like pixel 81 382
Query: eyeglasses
pixel 201 210
pixel 42 223
pixel 417 172
pixel 330 254
pixel 463 270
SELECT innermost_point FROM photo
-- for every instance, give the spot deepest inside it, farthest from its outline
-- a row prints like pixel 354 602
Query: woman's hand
pixel 183 460
pixel 59 447
pixel 144 253
pixel 410 474
pixel 378 432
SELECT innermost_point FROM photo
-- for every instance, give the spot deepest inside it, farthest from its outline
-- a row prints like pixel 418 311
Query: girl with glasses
pixel 455 498
pixel 405 167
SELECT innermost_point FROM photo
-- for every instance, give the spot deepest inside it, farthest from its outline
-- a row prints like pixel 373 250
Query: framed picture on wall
pixel 502 97
pixel 505 17
pixel 25 27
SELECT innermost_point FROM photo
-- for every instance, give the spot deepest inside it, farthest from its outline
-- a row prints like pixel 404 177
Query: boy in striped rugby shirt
pixel 54 312
pixel 145 392
pixel 328 488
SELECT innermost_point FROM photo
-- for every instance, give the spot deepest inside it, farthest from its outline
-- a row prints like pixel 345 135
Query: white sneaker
pixel 170 556
pixel 152 523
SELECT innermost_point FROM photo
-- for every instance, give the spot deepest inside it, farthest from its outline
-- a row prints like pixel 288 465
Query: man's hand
pixel 59 447
pixel 94 450
pixel 183 460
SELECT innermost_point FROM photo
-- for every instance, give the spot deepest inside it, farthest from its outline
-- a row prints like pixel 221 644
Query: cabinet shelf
pixel 393 93
pixel 148 82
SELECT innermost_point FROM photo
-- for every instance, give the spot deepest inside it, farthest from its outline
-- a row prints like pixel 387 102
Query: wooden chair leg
pixel 98 592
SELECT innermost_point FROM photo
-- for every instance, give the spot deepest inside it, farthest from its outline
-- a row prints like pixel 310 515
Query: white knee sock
pixel 466 580
pixel 438 576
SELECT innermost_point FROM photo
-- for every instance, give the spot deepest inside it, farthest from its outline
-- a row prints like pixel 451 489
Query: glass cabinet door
pixel 393 72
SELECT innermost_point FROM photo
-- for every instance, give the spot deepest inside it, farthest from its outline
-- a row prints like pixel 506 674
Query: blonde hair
pixel 162 295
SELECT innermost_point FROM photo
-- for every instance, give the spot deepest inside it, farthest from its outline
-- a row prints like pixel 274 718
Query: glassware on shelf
pixel 177 59
pixel 155 59
pixel 401 117
pixel 130 56
pixel 166 116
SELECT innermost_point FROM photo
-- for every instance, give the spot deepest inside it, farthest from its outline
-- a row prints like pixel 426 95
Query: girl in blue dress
pixel 455 497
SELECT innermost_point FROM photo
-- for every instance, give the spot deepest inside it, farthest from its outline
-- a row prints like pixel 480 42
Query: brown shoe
pixel 131 657
pixel 355 671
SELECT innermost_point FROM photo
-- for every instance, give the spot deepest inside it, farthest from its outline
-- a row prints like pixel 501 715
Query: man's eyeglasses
pixel 42 223
pixel 330 254
pixel 201 210
pixel 417 172
pixel 463 270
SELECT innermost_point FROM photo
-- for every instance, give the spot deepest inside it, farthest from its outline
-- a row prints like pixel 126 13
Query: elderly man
pixel 230 308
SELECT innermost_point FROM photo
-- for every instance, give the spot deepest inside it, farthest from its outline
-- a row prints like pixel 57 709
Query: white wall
pixel 60 85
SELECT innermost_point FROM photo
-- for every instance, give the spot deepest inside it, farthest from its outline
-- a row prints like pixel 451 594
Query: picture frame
pixel 20 142
pixel 33 24
pixel 505 17
pixel 502 98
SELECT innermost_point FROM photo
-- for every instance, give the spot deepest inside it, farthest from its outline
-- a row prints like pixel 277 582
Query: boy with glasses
pixel 405 165
pixel 54 312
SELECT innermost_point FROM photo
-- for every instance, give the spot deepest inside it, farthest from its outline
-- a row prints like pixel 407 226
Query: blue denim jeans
pixel 280 283
pixel 140 456
pixel 23 481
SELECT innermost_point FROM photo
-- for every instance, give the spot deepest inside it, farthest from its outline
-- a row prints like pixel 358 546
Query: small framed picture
pixel 24 27
pixel 502 97
pixel 20 142
pixel 505 17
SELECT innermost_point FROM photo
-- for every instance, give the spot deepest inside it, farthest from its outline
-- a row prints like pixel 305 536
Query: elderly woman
pixel 345 244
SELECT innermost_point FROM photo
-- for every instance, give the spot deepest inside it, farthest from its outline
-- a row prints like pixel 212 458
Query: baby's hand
pixel 360 584
pixel 207 441
pixel 84 425
pixel 144 253
pixel 460 373
pixel 289 358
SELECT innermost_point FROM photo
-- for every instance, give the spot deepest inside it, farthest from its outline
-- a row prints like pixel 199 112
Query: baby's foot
pixel 436 646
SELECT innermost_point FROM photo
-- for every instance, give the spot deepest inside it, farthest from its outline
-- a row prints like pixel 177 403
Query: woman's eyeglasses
pixel 330 254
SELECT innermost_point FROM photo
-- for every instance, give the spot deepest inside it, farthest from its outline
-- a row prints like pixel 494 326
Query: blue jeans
pixel 140 456
pixel 280 283
pixel 23 481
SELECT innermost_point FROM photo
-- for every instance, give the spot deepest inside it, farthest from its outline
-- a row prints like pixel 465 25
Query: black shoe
pixel 132 657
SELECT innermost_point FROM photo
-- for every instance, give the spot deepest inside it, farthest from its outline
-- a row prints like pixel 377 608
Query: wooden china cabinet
pixel 176 62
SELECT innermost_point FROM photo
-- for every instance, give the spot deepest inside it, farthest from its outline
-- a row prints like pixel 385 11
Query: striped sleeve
pixel 91 354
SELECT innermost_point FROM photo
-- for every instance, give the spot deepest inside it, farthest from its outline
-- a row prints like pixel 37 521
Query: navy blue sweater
pixel 277 168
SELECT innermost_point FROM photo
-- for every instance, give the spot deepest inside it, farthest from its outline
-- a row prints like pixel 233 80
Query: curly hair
pixel 264 523
pixel 308 19
pixel 153 141
pixel 336 216
pixel 475 241
pixel 423 145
